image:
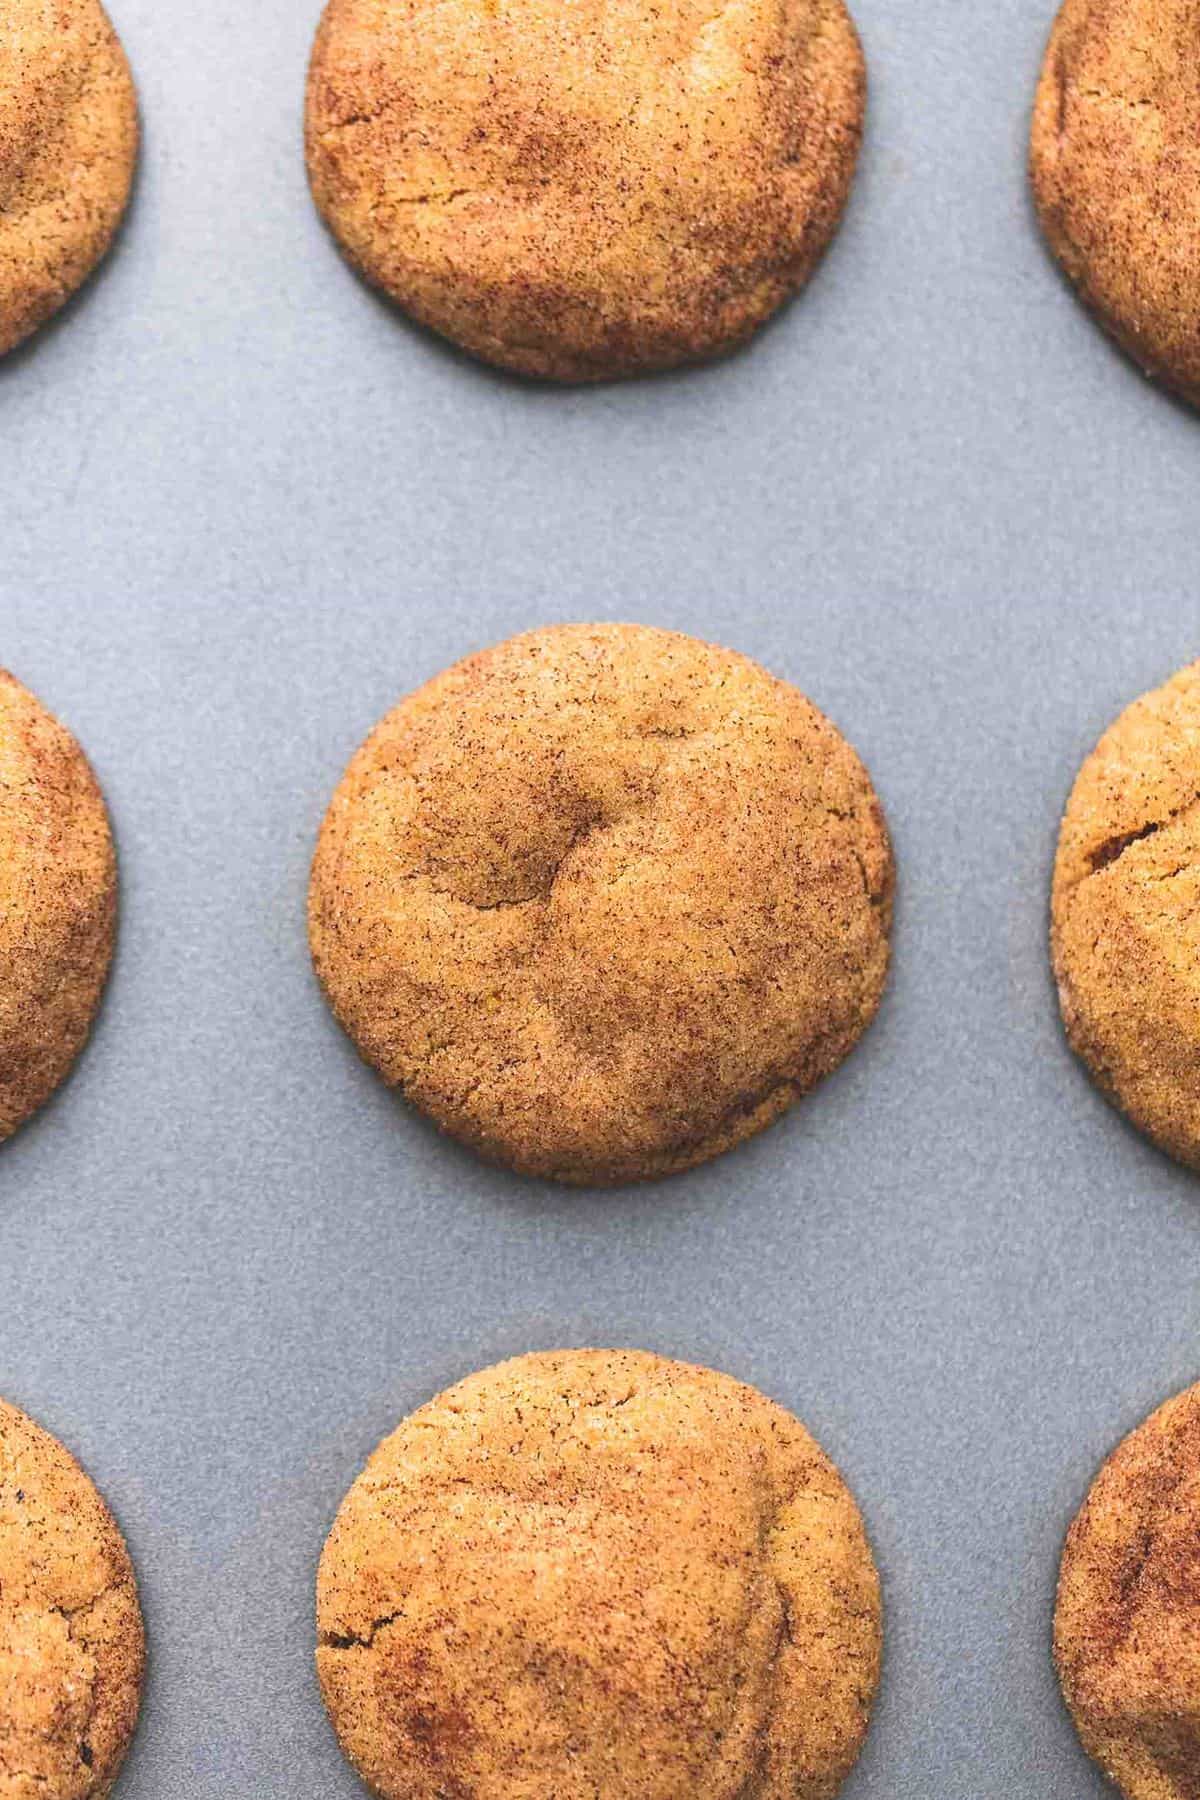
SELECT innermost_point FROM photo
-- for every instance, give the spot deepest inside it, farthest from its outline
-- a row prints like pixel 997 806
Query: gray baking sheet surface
pixel 243 508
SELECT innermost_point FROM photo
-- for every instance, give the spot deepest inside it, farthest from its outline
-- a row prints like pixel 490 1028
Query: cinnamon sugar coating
pixel 58 897
pixel 603 901
pixel 68 144
pixel 1116 170
pixel 1127 1630
pixel 599 1573
pixel 71 1641
pixel 1126 914
pixel 585 191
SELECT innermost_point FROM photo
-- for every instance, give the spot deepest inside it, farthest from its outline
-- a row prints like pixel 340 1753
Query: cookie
pixel 1127 1630
pixel 1116 168
pixel 68 143
pixel 58 889
pixel 71 1640
pixel 586 191
pixel 599 1572
pixel 603 901
pixel 1126 914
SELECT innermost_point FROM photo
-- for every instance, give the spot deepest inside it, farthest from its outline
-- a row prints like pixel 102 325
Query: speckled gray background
pixel 242 509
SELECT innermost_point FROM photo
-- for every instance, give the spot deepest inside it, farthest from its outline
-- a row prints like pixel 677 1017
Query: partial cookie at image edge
pixel 72 1642
pixel 1125 899
pixel 69 122
pixel 58 902
pixel 1128 1608
pixel 509 229
pixel 598 1521
pixel 1098 172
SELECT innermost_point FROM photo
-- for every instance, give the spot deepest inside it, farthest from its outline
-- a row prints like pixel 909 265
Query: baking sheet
pixel 243 507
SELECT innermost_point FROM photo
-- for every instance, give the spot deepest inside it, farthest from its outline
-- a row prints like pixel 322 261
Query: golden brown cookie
pixel 1127 1631
pixel 603 901
pixel 1116 169
pixel 71 1641
pixel 1126 914
pixel 68 143
pixel 58 888
pixel 585 191
pixel 599 1572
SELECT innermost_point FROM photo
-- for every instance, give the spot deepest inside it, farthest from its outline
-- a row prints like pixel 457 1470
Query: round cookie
pixel 1116 168
pixel 1126 914
pixel 58 889
pixel 603 901
pixel 588 191
pixel 599 1572
pixel 71 1641
pixel 68 143
pixel 1127 1630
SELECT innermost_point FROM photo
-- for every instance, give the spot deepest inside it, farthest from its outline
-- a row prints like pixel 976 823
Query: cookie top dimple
pixel 68 143
pixel 1116 169
pixel 599 1572
pixel 71 1639
pixel 58 889
pixel 587 191
pixel 603 900
pixel 1127 1629
pixel 1126 914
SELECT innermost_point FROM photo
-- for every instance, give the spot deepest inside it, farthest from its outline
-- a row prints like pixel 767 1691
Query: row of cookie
pixel 600 1572
pixel 596 191
pixel 605 900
